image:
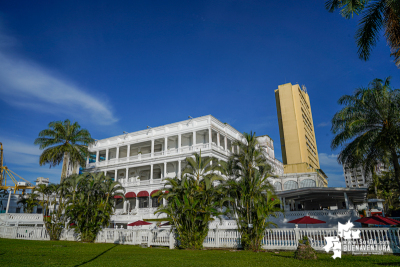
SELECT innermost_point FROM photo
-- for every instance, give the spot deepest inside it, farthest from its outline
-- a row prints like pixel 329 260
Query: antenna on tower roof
pixel 304 88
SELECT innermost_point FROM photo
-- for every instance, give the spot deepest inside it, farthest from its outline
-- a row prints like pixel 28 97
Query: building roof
pixel 321 193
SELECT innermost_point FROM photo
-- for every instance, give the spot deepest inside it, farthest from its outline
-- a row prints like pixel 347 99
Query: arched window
pixel 290 185
pixel 278 186
pixel 308 183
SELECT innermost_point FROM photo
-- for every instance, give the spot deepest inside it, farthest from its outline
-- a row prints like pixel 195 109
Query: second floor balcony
pixel 140 156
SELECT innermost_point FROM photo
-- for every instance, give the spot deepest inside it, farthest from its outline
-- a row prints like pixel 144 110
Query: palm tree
pixel 45 193
pixel 63 141
pixel 192 200
pixel 251 197
pixel 368 128
pixel 91 202
pixel 377 15
pixel 29 202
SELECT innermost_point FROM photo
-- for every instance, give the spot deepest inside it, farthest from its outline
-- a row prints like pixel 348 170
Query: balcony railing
pixel 174 151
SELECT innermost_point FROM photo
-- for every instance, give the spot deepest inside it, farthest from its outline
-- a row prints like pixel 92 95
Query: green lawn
pixel 64 253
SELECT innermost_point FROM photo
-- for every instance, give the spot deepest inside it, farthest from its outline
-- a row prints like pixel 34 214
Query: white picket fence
pixel 282 239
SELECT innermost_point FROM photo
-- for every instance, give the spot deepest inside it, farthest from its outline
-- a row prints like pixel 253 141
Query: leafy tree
pixel 63 141
pixel 377 15
pixel 252 198
pixel 367 129
pixel 29 202
pixel 56 219
pixel 91 203
pixel 384 186
pixel 193 200
pixel 44 200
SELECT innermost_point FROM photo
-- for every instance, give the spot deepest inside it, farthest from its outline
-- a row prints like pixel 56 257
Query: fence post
pixel 216 237
pixel 297 234
pixel 171 240
pixel 116 236
pixel 150 236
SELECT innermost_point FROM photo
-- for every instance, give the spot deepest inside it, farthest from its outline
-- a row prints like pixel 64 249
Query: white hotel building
pixel 141 160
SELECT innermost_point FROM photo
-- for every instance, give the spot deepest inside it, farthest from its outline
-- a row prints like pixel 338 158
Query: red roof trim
pixel 117 197
pixel 143 194
pixel 130 195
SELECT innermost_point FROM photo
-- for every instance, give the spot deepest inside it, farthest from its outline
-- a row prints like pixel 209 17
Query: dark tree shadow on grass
pixel 92 259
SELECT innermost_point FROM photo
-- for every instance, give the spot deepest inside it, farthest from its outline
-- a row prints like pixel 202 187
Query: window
pixel 154 202
pixel 289 185
pixel 143 202
pixel 308 183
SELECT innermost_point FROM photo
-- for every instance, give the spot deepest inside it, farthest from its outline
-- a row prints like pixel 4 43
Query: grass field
pixel 64 253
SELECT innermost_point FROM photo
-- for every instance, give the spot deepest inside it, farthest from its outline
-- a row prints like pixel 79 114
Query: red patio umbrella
pixel 376 219
pixel 306 220
pixel 138 223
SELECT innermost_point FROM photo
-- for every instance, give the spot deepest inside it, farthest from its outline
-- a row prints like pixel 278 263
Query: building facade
pixel 358 178
pixel 298 143
pixel 142 160
pixel 296 129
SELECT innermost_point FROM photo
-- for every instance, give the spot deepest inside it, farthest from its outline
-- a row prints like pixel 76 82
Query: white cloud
pixel 29 86
pixel 334 171
pixel 329 161
pixel 323 124
pixel 23 159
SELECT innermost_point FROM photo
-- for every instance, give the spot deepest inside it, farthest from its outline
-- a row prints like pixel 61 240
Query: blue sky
pixel 117 67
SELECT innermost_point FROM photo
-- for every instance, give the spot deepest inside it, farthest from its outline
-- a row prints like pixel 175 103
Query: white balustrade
pixel 146 156
pixel 286 239
pixel 21 217
pixel 183 150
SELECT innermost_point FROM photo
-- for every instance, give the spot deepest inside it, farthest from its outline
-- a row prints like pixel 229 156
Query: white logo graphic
pixel 351 241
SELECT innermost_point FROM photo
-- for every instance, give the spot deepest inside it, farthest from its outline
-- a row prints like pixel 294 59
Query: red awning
pixel 166 192
pixel 117 197
pixel 306 220
pixel 130 195
pixel 138 223
pixel 376 220
pixel 143 194
pixel 153 192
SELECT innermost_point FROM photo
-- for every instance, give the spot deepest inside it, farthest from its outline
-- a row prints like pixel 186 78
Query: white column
pixel 128 151
pixel 127 174
pixel 151 173
pixel 226 143
pixel 124 208
pixel 210 136
pixel 107 150
pixel 117 155
pixel 105 173
pixel 152 147
pixel 194 138
pixel 97 156
pixel 179 142
pixel 9 199
pixel 179 167
pixel 87 159
pixel 165 170
pixel 165 144
pixel 116 175
pixel 218 141
pixel 346 199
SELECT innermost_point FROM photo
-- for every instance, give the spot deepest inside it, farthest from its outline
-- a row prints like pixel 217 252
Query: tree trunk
pixel 396 165
pixel 64 167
